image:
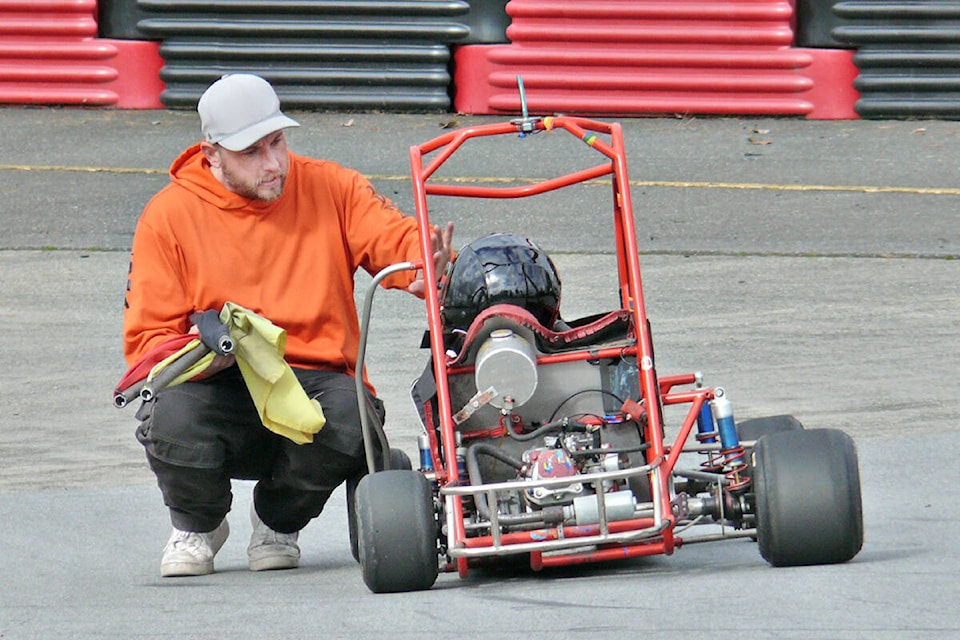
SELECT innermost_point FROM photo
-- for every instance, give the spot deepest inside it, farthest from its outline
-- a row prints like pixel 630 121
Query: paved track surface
pixel 807 267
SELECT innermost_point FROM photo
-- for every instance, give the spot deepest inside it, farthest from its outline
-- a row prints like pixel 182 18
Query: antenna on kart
pixel 523 97
pixel 525 124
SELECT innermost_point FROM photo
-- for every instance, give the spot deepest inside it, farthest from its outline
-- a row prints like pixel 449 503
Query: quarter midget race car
pixel 546 438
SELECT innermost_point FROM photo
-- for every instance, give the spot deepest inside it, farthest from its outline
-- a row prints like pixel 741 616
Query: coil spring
pixel 735 464
pixel 729 462
pixel 715 460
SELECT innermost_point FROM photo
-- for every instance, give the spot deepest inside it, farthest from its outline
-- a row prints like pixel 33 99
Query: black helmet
pixel 500 268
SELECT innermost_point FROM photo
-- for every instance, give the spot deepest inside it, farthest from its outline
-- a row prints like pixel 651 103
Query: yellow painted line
pixel 937 191
pixel 22 167
pixel 940 191
pixel 755 186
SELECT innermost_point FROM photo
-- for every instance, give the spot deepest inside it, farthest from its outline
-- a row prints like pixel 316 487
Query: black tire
pixel 756 428
pixel 807 495
pixel 398 460
pixel 396 531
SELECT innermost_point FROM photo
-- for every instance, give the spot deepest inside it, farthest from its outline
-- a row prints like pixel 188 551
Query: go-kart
pixel 547 439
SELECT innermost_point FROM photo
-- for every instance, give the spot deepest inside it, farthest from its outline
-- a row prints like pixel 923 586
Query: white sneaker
pixel 269 549
pixel 191 554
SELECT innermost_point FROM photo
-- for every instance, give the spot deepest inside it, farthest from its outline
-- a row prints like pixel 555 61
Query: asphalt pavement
pixel 808 267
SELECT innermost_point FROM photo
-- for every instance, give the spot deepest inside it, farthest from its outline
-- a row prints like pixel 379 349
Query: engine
pixel 571 456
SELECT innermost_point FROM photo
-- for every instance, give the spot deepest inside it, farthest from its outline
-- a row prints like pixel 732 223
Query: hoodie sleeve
pixel 156 305
pixel 378 233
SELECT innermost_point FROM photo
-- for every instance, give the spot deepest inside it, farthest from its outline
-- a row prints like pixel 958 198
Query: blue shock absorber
pixel 426 461
pixel 706 431
pixel 727 428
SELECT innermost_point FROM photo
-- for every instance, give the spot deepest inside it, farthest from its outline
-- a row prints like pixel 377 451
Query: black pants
pixel 200 435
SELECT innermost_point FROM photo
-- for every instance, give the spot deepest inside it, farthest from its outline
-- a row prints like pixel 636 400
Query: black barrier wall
pixel 907 53
pixel 335 54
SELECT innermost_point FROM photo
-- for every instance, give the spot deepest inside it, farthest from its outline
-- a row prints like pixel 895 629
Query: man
pixel 245 220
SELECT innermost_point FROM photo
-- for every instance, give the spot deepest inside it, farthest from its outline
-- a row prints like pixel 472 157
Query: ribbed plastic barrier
pixel 815 24
pixel 908 56
pixel 50 54
pixel 319 54
pixel 655 57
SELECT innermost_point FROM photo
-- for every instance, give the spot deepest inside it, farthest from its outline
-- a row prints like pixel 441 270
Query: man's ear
pixel 211 152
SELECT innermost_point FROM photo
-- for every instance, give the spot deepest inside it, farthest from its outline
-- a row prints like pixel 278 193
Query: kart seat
pixel 583 333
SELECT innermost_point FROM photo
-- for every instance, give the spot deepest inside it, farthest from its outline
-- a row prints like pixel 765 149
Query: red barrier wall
pixel 628 57
pixel 50 54
pixel 612 57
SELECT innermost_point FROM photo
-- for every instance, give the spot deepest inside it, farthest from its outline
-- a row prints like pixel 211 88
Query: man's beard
pixel 254 190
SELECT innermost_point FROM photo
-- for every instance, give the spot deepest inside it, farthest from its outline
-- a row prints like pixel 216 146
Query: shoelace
pixel 269 536
pixel 187 541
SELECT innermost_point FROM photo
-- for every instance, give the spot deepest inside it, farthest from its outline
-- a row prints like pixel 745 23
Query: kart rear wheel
pixel 396 531
pixel 398 460
pixel 756 428
pixel 807 494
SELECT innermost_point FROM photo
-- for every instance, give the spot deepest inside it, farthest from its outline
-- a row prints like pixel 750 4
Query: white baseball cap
pixel 239 109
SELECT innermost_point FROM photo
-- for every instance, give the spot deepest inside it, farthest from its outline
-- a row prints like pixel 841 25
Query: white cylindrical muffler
pixel 506 362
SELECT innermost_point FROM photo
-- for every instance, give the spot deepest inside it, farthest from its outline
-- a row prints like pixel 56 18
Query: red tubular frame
pixel 655 392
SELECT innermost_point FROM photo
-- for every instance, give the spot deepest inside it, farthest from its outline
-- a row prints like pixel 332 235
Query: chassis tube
pixel 601 555
pixel 365 426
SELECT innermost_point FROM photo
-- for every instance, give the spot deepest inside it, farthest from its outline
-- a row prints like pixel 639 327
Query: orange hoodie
pixel 199 245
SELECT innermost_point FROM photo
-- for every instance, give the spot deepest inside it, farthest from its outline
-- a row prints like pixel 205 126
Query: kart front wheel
pixel 398 460
pixel 807 496
pixel 396 531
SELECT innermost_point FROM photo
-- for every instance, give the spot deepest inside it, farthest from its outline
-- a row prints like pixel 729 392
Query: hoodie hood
pixel 192 172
